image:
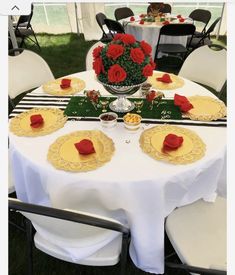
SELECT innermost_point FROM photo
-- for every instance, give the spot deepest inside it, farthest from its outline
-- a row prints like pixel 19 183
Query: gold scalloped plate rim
pixel 198 150
pixel 16 129
pixel 177 82
pixel 210 117
pixel 58 162
pixel 60 92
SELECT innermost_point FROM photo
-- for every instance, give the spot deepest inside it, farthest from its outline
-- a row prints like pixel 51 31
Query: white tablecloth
pixel 132 186
pixel 150 33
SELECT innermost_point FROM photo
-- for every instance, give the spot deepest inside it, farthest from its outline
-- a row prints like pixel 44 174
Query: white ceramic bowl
pixel 108 120
pixel 132 126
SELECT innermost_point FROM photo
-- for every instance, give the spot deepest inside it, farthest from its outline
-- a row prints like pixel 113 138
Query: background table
pixel 150 33
pixel 131 187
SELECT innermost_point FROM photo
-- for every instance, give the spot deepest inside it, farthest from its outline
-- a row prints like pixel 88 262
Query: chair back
pixel 165 9
pixel 178 30
pixel 25 20
pixel 114 26
pixel 100 20
pixel 123 12
pixel 27 70
pixel 206 66
pixel 89 56
pixel 201 15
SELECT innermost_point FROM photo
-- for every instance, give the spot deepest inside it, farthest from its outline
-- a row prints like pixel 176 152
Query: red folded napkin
pixel 172 142
pixel 141 22
pixel 85 147
pixel 65 83
pixel 164 78
pixel 150 96
pixel 181 20
pixel 36 121
pixel 182 102
pixel 179 16
pixel 141 15
pixel 132 18
pixel 166 22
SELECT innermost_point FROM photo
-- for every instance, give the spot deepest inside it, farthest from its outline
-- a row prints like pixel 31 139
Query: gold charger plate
pixel 176 83
pixel 54 119
pixel 63 155
pixel 53 87
pixel 192 149
pixel 206 108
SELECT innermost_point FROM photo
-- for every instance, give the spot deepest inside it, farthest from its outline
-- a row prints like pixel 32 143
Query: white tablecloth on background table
pixel 150 33
pixel 132 186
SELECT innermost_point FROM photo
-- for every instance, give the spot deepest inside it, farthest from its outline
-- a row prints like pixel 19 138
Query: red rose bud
pixel 36 120
pixel 165 78
pixel 85 147
pixel 181 20
pixel 65 83
pixel 151 96
pixel 178 16
pixel 141 22
pixel 166 22
pixel 172 142
pixel 132 18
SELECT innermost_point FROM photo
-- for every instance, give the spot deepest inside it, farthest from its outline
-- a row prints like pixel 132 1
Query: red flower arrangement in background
pixel 124 61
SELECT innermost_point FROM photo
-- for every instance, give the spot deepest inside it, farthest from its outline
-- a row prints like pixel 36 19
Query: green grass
pixel 64 53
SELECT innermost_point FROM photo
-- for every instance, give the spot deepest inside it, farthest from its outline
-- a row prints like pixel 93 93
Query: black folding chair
pixel 123 12
pixel 24 30
pixel 203 16
pixel 55 221
pixel 176 50
pixel 106 37
pixel 205 39
pixel 114 26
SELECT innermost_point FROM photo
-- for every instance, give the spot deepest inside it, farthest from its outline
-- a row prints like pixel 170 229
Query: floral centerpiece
pixel 123 65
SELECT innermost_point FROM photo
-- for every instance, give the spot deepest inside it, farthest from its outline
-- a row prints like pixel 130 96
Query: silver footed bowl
pixel 121 104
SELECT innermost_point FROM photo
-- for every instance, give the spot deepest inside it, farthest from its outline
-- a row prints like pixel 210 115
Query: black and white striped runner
pixel 38 100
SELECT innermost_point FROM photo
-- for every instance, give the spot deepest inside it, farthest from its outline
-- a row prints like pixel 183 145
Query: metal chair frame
pixel 124 12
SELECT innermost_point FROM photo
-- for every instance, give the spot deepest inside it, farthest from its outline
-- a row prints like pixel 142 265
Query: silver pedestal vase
pixel 121 104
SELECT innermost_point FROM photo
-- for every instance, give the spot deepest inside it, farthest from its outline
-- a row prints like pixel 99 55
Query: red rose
pixel 141 22
pixel 96 52
pixel 181 20
pixel 132 18
pixel 166 22
pixel 172 142
pixel 147 49
pixel 153 64
pixel 118 36
pixel 178 16
pixel 137 55
pixel 85 147
pixel 150 96
pixel 36 120
pixel 98 66
pixel 128 39
pixel 116 74
pixel 147 70
pixel 114 51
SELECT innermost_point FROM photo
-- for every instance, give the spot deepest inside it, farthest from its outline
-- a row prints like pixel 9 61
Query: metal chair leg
pixel 123 256
pixel 29 233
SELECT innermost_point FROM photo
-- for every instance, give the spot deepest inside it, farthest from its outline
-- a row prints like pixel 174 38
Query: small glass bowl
pixel 108 120
pixel 132 121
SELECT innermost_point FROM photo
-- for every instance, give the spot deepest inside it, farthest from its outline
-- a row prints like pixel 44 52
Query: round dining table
pixel 132 186
pixel 150 31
